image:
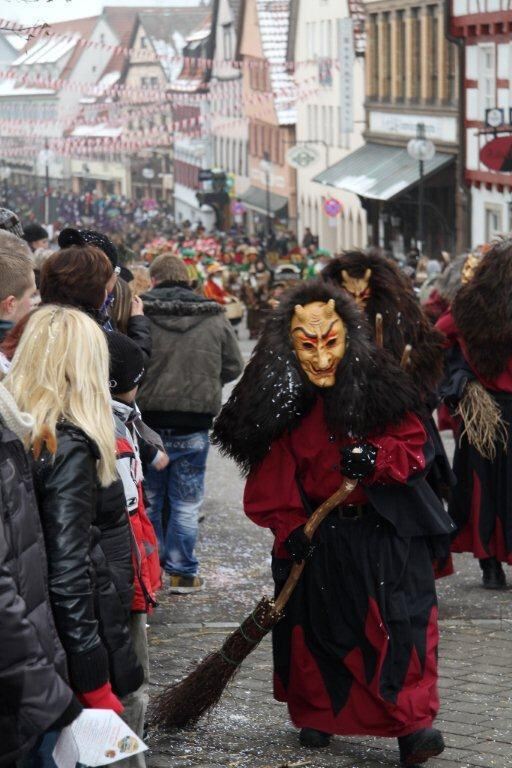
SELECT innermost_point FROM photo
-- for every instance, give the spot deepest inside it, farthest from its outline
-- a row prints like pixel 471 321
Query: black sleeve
pixel 35 694
pixel 232 361
pixel 67 496
pixel 139 329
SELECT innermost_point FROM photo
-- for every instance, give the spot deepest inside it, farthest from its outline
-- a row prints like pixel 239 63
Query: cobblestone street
pixel 250 729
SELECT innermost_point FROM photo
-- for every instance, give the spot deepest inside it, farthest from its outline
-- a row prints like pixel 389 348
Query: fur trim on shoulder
pixel 179 308
pixel 274 394
pixel 482 311
pixel 404 321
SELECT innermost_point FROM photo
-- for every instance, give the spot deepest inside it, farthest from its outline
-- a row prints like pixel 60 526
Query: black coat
pixel 88 602
pixel 139 330
pixel 34 694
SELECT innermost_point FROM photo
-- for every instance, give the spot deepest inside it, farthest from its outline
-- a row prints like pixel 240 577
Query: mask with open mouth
pixel 319 340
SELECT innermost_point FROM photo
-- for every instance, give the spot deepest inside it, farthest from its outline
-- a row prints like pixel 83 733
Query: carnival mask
pixel 468 270
pixel 319 339
pixel 358 287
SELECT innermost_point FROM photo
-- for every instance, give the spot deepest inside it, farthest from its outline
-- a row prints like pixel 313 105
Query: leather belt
pixel 351 511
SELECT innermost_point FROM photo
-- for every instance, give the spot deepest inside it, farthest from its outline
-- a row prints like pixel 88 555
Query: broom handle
pixel 309 529
pixel 379 330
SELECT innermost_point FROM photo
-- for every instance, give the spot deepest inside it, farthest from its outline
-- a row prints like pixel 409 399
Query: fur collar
pixel 274 394
pixel 179 302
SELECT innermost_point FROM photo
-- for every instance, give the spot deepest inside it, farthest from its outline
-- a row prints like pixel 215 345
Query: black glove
pixel 298 545
pixel 358 461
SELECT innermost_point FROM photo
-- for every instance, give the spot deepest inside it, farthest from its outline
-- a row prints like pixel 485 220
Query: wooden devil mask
pixel 319 339
pixel 358 287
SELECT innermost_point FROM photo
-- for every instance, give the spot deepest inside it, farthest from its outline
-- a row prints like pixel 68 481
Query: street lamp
pixel 45 157
pixel 266 167
pixel 421 149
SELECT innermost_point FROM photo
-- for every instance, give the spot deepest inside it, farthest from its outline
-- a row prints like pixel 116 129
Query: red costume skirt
pixel 356 652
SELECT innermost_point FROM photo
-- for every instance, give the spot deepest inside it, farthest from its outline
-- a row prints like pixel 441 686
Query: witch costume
pixel 356 651
pixel 478 332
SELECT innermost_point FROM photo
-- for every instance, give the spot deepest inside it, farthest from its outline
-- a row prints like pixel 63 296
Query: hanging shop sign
pixel 497 154
pixel 300 156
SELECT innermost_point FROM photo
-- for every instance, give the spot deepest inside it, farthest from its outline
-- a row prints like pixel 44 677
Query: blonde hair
pixel 60 372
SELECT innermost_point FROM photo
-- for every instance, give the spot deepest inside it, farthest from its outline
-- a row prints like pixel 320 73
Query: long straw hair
pixel 60 372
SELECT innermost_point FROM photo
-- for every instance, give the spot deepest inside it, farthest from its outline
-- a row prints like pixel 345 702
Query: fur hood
pixel 482 311
pixel 404 321
pixel 178 309
pixel 274 394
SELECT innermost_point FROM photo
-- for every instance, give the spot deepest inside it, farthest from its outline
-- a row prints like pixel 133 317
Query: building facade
pixel 411 87
pixel 485 31
pixel 330 116
pixel 269 105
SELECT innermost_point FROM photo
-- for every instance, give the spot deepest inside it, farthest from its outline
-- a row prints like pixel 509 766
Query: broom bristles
pixel 483 423
pixel 183 704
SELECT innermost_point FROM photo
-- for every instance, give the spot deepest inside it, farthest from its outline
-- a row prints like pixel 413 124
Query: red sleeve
pixel 446 324
pixel 271 498
pixel 400 452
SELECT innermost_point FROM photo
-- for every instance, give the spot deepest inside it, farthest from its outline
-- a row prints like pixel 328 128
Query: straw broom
pixel 184 703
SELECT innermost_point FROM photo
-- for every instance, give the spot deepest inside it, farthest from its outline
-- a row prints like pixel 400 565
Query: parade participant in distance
pixel 195 353
pixel 356 651
pixel 59 375
pixel 479 327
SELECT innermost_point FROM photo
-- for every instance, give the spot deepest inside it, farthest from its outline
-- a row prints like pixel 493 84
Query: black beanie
pixel 70 236
pixel 34 232
pixel 126 363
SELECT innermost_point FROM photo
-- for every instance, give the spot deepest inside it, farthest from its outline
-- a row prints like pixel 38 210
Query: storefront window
pixel 493 222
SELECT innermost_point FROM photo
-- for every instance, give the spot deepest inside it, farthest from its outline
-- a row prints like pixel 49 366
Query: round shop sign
pixel 497 154
pixel 237 208
pixel 332 207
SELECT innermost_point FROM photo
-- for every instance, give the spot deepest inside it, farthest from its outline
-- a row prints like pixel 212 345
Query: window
pixel 385 44
pixel 102 39
pixel 493 222
pixel 432 44
pixel 373 50
pixel 227 36
pixel 415 62
pixel 451 89
pixel 153 81
pixel 487 78
pixel 400 54
pixel 144 82
pixel 143 42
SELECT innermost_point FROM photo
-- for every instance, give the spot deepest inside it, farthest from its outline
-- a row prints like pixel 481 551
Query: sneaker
pixel 313 739
pixel 493 575
pixel 420 746
pixel 184 585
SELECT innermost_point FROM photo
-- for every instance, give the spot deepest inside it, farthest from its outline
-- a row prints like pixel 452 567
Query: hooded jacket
pixel 34 695
pixel 195 352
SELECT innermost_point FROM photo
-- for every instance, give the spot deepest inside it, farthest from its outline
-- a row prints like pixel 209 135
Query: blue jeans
pixel 182 483
pixel 40 756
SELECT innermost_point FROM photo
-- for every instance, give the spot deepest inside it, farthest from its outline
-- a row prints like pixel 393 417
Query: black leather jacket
pixel 91 616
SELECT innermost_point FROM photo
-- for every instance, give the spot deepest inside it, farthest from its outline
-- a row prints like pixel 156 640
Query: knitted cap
pixel 70 236
pixel 10 222
pixel 126 363
pixel 34 232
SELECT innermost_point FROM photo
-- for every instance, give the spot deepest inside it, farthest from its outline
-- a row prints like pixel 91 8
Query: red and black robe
pixel 481 504
pixel 356 652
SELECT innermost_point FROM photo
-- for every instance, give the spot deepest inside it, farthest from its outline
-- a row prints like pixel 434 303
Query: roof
pixel 199 48
pixel 47 50
pixel 380 172
pixel 122 21
pixel 9 88
pixel 99 131
pixel 274 22
pixel 64 29
pixel 14 39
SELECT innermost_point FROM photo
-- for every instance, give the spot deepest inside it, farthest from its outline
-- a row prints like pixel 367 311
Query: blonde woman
pixel 59 375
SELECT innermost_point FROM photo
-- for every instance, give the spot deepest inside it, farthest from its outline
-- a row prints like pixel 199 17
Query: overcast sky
pixel 32 12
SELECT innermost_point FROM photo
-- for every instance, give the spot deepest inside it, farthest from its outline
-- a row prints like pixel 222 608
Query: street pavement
pixel 249 729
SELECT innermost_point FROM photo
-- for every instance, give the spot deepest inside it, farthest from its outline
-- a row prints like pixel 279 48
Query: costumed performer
pixel 356 651
pixel 478 332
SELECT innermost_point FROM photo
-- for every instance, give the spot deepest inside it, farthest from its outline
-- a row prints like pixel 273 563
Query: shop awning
pixel 256 199
pixel 379 172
